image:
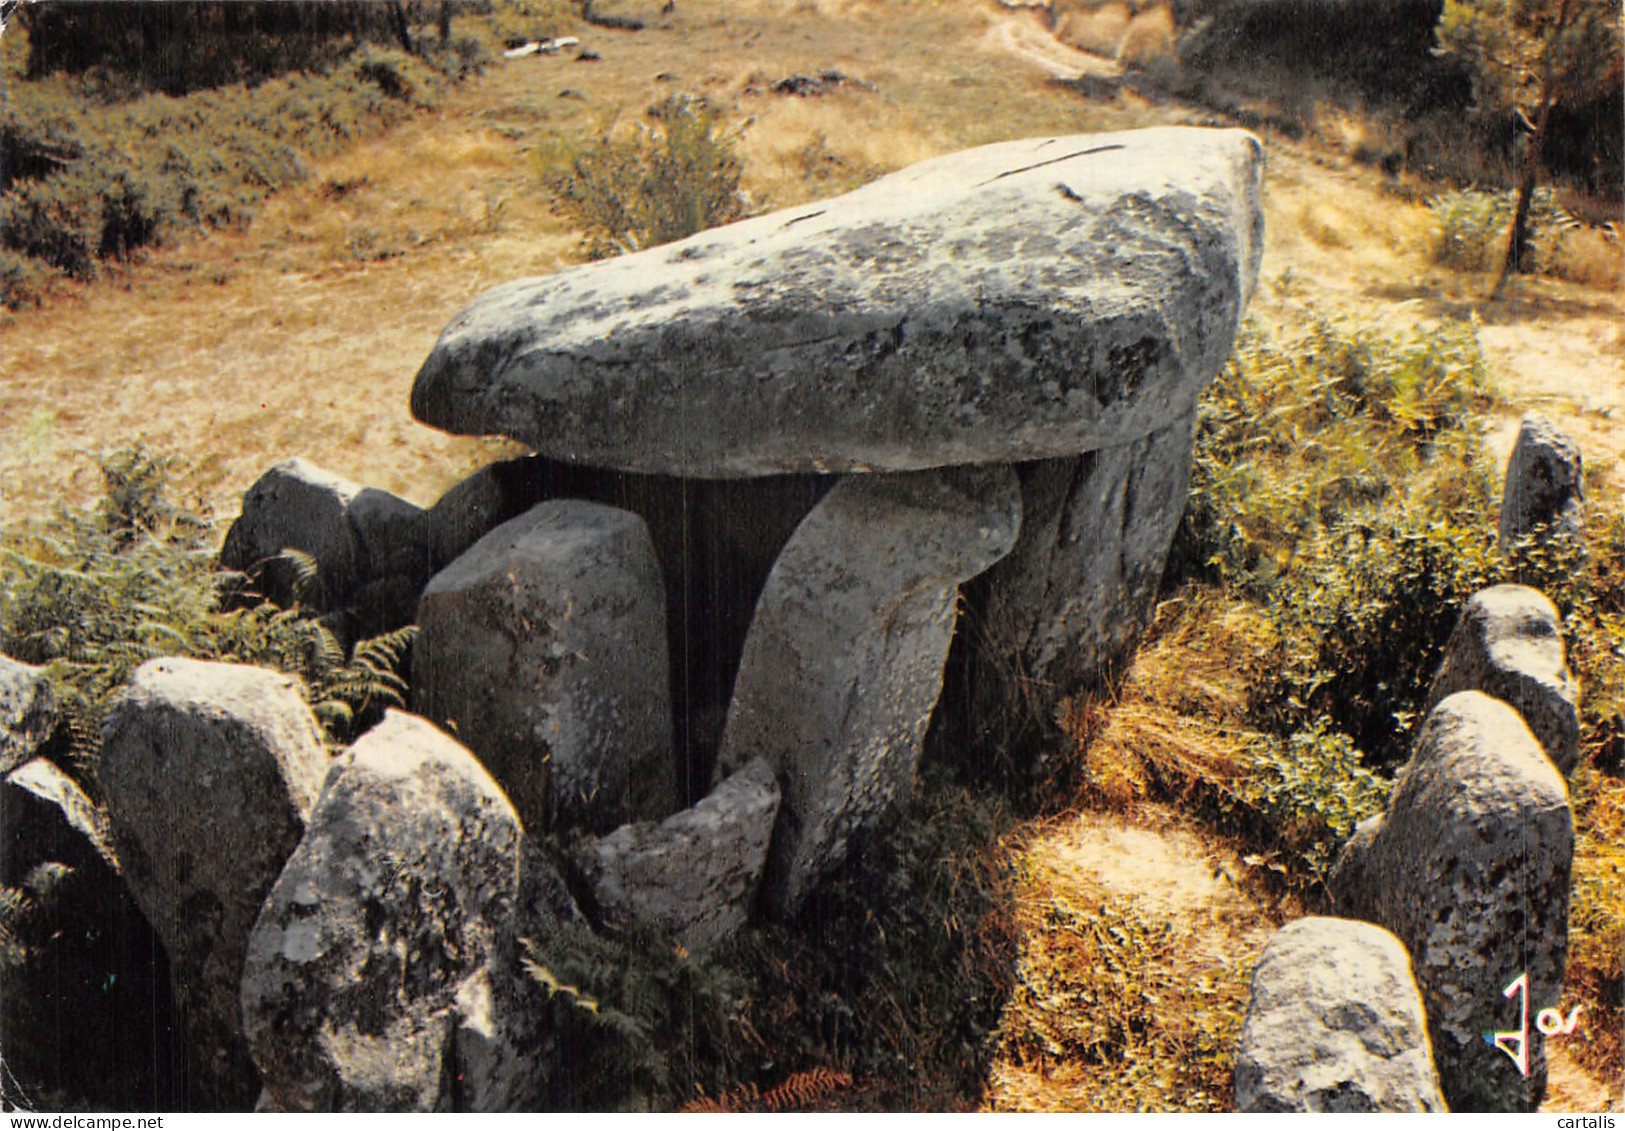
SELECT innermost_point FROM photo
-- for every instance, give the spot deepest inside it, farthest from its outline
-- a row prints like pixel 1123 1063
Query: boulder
pixel 844 660
pixel 380 939
pixel 393 557
pixel 694 874
pixel 1335 1023
pixel 1544 485
pixel 27 712
pixel 86 1009
pixel 543 649
pixel 296 505
pixel 209 771
pixel 1026 300
pixel 368 545
pixel 1509 645
pixel 1469 867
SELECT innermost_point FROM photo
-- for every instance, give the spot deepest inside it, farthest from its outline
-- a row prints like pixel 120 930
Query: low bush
pixel 1312 789
pixel 1473 227
pixel 94 184
pixel 662 183
pixel 1314 424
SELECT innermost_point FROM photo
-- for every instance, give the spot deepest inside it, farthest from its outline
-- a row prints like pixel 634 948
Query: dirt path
pixel 1024 35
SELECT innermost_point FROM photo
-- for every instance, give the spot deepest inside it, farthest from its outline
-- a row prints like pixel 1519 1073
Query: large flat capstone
pixel 1026 300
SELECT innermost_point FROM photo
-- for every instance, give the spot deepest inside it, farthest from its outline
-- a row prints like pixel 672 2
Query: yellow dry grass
pixel 1136 947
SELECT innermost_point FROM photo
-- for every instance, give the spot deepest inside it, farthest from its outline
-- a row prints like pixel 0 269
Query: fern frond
pixel 800 1089
pixel 305 571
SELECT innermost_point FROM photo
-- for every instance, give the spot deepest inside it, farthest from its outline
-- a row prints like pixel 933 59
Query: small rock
pixel 27 712
pixel 209 770
pixel 1544 485
pixel 694 874
pixel 1335 1023
pixel 844 660
pixel 543 648
pixel 1469 867
pixel 1509 645
pixel 364 963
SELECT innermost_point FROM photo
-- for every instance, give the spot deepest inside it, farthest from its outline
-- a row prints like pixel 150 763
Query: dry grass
pixel 1596 971
pixel 1174 727
pixel 1132 983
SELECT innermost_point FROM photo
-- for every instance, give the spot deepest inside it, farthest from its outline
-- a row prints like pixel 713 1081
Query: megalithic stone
pixel 209 772
pixel 1027 300
pixel 843 662
pixel 1469 867
pixel 543 648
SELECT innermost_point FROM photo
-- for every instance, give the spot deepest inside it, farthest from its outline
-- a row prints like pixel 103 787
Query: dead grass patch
pixel 1132 983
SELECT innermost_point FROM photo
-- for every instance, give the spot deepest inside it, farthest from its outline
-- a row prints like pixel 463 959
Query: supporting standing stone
pixel 1079 587
pixel 27 712
pixel 1335 1023
pixel 209 771
pixel 1509 645
pixel 844 659
pixel 1544 485
pixel 543 648
pixel 363 965
pixel 694 874
pixel 1026 300
pixel 1469 867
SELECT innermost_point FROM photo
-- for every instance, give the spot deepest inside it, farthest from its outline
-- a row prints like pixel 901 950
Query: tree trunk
pixel 1517 255
pixel 445 22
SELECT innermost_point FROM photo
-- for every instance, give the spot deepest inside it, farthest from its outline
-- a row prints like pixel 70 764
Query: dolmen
pixel 709 618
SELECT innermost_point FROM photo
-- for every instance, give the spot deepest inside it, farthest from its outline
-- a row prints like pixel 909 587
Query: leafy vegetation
pixel 663 182
pixel 82 184
pixel 98 592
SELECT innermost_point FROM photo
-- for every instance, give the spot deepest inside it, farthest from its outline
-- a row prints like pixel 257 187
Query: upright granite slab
pixel 379 943
pixel 543 648
pixel 1509 645
pixel 1335 1023
pixel 844 659
pixel 1469 866
pixel 1026 300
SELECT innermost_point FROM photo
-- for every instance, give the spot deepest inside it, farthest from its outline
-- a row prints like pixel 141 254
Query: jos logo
pixel 1515 1042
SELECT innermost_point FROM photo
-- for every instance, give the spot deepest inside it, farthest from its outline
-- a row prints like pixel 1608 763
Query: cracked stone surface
pixel 1027 300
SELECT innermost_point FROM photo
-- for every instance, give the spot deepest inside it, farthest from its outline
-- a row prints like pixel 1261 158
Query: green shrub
pixel 663 183
pixel 1312 790
pixel 99 183
pixel 1312 425
pixel 22 281
pixel 1473 229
